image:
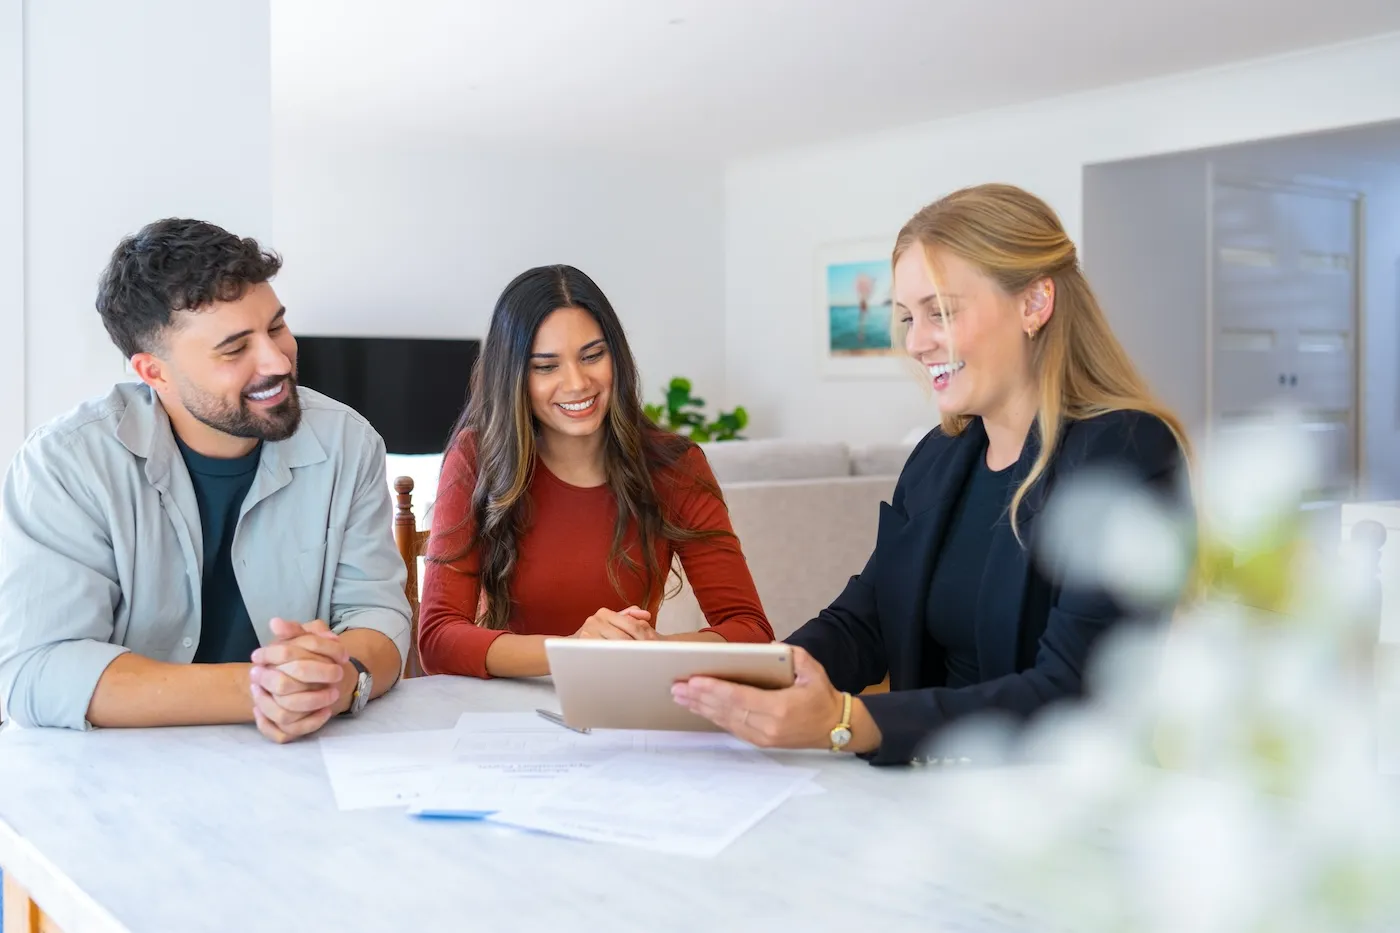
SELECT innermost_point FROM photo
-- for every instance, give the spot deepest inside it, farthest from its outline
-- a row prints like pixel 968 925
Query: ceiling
pixel 726 78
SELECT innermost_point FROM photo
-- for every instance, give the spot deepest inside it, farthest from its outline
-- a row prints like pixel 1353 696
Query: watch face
pixel 840 736
pixel 365 686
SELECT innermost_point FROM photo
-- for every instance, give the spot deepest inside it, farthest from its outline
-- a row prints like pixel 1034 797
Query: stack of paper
pixel 682 792
pixel 662 802
pixel 505 759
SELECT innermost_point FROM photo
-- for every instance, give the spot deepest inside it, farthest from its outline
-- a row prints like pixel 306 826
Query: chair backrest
pixel 412 543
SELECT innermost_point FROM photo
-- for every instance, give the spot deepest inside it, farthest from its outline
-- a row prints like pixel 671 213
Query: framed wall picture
pixel 854 308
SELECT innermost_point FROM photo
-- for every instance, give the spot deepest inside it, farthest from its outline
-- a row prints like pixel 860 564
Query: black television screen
pixel 411 389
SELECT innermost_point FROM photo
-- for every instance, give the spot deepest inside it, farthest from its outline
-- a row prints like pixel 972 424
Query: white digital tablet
pixel 605 684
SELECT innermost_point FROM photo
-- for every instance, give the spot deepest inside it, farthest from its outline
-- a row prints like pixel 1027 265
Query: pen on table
pixel 559 720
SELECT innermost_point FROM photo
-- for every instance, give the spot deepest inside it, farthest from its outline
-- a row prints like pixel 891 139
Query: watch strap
pixel 357 702
pixel 841 733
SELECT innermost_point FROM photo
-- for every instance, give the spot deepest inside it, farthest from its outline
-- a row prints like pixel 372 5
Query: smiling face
pixel 226 374
pixel 976 351
pixel 571 374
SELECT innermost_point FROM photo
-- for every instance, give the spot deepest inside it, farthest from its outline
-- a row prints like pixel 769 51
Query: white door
pixel 1283 282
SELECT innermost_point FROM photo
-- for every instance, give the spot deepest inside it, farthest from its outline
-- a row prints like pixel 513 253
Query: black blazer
pixel 1033 634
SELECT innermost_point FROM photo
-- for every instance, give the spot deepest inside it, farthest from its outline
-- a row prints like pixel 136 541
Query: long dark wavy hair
pixel 498 431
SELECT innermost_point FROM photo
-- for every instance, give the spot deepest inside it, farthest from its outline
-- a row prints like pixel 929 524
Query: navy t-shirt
pixel 226 633
pixel 957 576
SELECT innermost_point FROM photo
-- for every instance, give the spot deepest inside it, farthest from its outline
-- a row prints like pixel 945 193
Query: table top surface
pixel 215 828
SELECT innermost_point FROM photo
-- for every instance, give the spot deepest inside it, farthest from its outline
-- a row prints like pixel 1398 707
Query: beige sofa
pixel 806 515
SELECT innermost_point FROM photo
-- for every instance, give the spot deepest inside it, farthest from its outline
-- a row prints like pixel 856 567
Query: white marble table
pixel 181 830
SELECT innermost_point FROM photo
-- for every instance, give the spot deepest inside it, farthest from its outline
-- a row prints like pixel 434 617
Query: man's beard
pixel 273 424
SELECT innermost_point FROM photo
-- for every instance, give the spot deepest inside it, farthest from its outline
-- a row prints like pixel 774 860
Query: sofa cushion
pixel 803 540
pixel 880 459
pixel 776 459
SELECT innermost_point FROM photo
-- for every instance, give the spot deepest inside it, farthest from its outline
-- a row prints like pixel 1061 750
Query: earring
pixel 1032 331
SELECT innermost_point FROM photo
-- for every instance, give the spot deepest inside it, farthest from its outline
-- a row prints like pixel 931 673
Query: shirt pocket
pixel 156 616
pixel 160 593
pixel 311 590
pixel 280 581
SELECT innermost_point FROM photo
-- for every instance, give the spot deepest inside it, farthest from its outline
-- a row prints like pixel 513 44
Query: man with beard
pixel 210 545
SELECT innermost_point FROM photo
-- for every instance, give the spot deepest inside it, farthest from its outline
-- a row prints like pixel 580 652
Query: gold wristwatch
pixel 842 733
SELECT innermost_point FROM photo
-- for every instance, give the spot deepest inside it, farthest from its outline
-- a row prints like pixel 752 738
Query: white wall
pixel 134 111
pixel 417 237
pixel 781 207
pixel 1380 335
pixel 1144 237
pixel 11 228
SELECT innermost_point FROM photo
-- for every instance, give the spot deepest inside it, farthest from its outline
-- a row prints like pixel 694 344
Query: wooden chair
pixel 412 544
pixel 21 914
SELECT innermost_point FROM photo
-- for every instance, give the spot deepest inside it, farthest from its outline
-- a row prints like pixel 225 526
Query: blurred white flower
pixel 1199 859
pixel 984 741
pixel 1256 473
pixel 1101 529
pixel 1090 757
pixel 1199 672
pixel 1223 774
pixel 1125 663
pixel 1013 824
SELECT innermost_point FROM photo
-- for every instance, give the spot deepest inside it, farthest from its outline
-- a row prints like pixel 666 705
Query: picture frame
pixel 854 311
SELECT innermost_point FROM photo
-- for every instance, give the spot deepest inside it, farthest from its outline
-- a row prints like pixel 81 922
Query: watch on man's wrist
pixel 364 686
pixel 841 735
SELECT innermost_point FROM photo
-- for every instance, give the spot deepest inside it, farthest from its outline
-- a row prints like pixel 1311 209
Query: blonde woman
pixel 1032 386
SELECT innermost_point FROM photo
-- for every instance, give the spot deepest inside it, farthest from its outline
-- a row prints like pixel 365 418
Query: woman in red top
pixel 561 505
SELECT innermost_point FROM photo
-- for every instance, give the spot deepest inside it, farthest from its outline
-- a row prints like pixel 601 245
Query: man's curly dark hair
pixel 174 265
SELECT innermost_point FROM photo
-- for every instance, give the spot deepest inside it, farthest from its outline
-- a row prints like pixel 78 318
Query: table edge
pixel 58 896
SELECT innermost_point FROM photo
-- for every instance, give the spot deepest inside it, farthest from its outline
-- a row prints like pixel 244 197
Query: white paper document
pixel 663 802
pixel 504 760
pixel 495 762
pixel 388 770
pixel 501 759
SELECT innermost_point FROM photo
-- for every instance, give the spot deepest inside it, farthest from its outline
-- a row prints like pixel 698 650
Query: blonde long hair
pixel 1015 239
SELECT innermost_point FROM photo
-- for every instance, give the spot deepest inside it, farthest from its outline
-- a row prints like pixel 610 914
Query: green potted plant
pixel 684 414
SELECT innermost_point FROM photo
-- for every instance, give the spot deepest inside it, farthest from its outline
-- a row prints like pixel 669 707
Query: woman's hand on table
pixel 631 624
pixel 800 716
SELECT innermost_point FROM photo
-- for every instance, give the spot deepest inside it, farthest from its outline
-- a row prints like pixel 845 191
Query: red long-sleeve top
pixel 561 574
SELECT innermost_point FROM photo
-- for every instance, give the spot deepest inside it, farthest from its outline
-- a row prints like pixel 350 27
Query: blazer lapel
pixel 912 540
pixel 1006 573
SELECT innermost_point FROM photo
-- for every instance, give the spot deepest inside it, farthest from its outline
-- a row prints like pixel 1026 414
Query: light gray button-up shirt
pixel 101 552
